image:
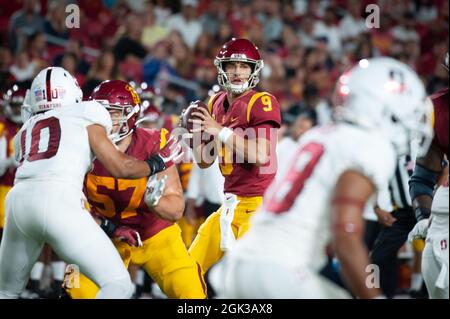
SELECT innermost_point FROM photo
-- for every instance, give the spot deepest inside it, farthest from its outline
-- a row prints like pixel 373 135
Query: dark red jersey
pixel 440 104
pixel 253 114
pixel 122 200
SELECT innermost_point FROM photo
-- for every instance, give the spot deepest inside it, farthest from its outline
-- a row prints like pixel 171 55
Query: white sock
pixel 140 276
pixel 37 271
pixel 58 269
pixel 416 281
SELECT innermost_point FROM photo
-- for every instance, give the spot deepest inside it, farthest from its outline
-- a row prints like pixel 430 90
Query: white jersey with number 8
pixel 294 224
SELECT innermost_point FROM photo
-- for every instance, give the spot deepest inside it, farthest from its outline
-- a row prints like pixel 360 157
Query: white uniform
pixel 435 254
pixel 285 248
pixel 46 204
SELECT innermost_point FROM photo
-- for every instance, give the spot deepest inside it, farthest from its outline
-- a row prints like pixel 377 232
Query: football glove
pixel 420 230
pixel 128 235
pixel 157 163
pixel 155 190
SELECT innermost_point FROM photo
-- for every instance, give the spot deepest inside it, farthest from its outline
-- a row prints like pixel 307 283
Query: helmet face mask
pixel 238 50
pixel 123 103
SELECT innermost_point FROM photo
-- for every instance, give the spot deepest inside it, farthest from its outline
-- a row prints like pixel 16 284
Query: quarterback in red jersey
pixel 432 205
pixel 10 124
pixel 140 214
pixel 244 123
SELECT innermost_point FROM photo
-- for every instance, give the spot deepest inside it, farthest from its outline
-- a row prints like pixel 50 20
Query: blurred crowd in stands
pixel 171 44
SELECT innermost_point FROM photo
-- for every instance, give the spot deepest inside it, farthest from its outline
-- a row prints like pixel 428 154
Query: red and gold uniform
pixel 441 118
pixel 8 130
pixel 163 254
pixel 259 111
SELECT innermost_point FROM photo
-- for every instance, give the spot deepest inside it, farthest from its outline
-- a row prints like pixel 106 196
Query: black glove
pixel 156 164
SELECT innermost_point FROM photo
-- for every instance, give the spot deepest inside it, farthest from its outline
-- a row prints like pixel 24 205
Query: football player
pixel 55 148
pixel 321 197
pixel 140 214
pixel 245 122
pixel 430 205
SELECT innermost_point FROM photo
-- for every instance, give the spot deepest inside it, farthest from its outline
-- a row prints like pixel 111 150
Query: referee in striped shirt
pixel 395 226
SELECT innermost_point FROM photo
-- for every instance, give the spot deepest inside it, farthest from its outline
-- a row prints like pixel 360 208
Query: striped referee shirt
pixel 398 185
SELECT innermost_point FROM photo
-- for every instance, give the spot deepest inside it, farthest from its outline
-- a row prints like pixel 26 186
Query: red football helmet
pixel 119 95
pixel 238 50
pixel 12 102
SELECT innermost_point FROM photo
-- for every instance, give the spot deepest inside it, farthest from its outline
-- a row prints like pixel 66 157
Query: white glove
pixel 155 190
pixel 419 231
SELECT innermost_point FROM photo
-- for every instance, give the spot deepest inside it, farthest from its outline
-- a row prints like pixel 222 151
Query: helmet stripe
pixel 48 87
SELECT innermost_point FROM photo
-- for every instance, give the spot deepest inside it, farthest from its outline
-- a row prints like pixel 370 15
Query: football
pixel 187 114
pixel 184 122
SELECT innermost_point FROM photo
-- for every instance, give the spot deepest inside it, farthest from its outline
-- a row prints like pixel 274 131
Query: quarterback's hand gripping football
pixel 155 190
pixel 128 235
pixel 205 122
pixel 420 230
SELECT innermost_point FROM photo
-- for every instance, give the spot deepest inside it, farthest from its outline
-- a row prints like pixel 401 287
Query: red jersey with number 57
pixel 294 222
pixel 122 200
pixel 252 115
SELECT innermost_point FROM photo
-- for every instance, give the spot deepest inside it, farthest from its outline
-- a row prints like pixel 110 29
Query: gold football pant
pixel 206 246
pixel 3 192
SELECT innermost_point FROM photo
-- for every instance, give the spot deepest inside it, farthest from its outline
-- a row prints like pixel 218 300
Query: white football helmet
pixel 386 96
pixel 52 88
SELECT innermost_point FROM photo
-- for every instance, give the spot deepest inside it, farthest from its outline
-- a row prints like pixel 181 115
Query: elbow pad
pixel 422 182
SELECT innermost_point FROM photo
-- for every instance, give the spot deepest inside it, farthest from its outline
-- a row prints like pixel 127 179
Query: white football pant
pixel 237 278
pixel 40 212
pixel 435 270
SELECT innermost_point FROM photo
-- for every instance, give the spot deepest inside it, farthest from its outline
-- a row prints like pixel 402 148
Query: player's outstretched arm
pixel 117 163
pixel 351 193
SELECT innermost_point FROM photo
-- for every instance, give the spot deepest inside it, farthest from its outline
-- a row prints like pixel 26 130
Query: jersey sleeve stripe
pixel 211 101
pixel 163 138
pixel 252 102
pixel 48 86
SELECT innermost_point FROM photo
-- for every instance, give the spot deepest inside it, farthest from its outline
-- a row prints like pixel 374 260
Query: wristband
pixel 156 164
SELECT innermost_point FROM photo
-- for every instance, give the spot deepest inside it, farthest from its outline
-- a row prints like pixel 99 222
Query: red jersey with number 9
pixel 251 115
pixel 122 200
